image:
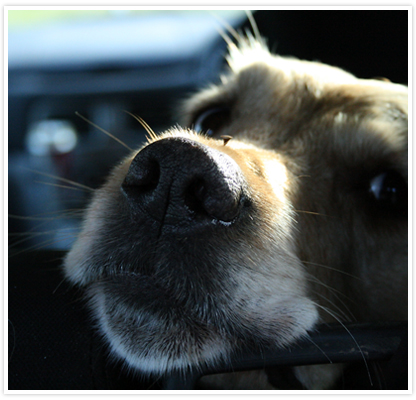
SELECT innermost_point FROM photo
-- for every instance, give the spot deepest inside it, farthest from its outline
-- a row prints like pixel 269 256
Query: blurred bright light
pixel 51 137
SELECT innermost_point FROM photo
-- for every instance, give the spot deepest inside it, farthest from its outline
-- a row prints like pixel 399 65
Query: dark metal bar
pixel 328 344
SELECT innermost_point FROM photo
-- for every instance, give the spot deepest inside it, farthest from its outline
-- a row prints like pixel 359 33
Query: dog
pixel 279 203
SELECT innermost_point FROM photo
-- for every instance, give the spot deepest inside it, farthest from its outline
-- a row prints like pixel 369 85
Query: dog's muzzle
pixel 177 181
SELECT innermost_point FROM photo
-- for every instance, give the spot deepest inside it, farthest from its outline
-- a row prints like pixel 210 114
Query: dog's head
pixel 199 244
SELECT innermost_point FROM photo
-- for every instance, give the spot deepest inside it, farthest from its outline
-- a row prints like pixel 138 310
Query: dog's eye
pixel 389 190
pixel 211 121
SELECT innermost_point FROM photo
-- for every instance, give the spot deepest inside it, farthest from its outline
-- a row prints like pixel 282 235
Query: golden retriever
pixel 278 204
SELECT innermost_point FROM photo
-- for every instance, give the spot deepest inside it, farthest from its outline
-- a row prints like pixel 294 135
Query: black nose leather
pixel 175 180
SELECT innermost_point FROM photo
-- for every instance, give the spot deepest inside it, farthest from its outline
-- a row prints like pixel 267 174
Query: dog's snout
pixel 174 180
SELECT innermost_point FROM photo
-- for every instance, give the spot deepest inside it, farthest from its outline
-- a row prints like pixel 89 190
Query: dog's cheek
pixel 80 264
pixel 380 257
pixel 272 280
pixel 283 283
pixel 281 290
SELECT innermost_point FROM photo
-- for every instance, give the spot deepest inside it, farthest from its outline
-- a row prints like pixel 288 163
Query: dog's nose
pixel 175 180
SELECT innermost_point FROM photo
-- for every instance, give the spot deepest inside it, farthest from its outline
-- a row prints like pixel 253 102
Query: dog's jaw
pixel 155 343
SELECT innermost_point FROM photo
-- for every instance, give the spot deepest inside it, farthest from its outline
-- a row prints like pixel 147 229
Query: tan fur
pixel 302 135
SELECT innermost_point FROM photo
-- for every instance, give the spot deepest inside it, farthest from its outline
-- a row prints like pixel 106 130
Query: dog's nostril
pixel 142 178
pixel 212 198
pixel 194 196
pixel 149 177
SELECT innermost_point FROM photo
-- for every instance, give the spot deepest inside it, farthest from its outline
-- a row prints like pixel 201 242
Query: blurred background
pixel 100 63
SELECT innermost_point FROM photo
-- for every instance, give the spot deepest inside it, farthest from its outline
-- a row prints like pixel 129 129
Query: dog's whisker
pixel 69 214
pixel 335 314
pixel 66 212
pixel 31 235
pixel 336 293
pixel 224 24
pixel 307 337
pixel 38 233
pixel 314 213
pixel 325 309
pixel 32 218
pixel 23 240
pixel 60 179
pixel 144 124
pixel 16 239
pixel 23 234
pixel 155 382
pixel 38 246
pixel 59 285
pixel 332 269
pixel 45 221
pixel 104 131
pixel 342 312
pixel 253 25
pixel 81 298
pixel 225 37
pixel 61 186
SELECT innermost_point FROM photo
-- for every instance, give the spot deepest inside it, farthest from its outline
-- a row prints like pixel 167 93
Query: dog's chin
pixel 156 332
